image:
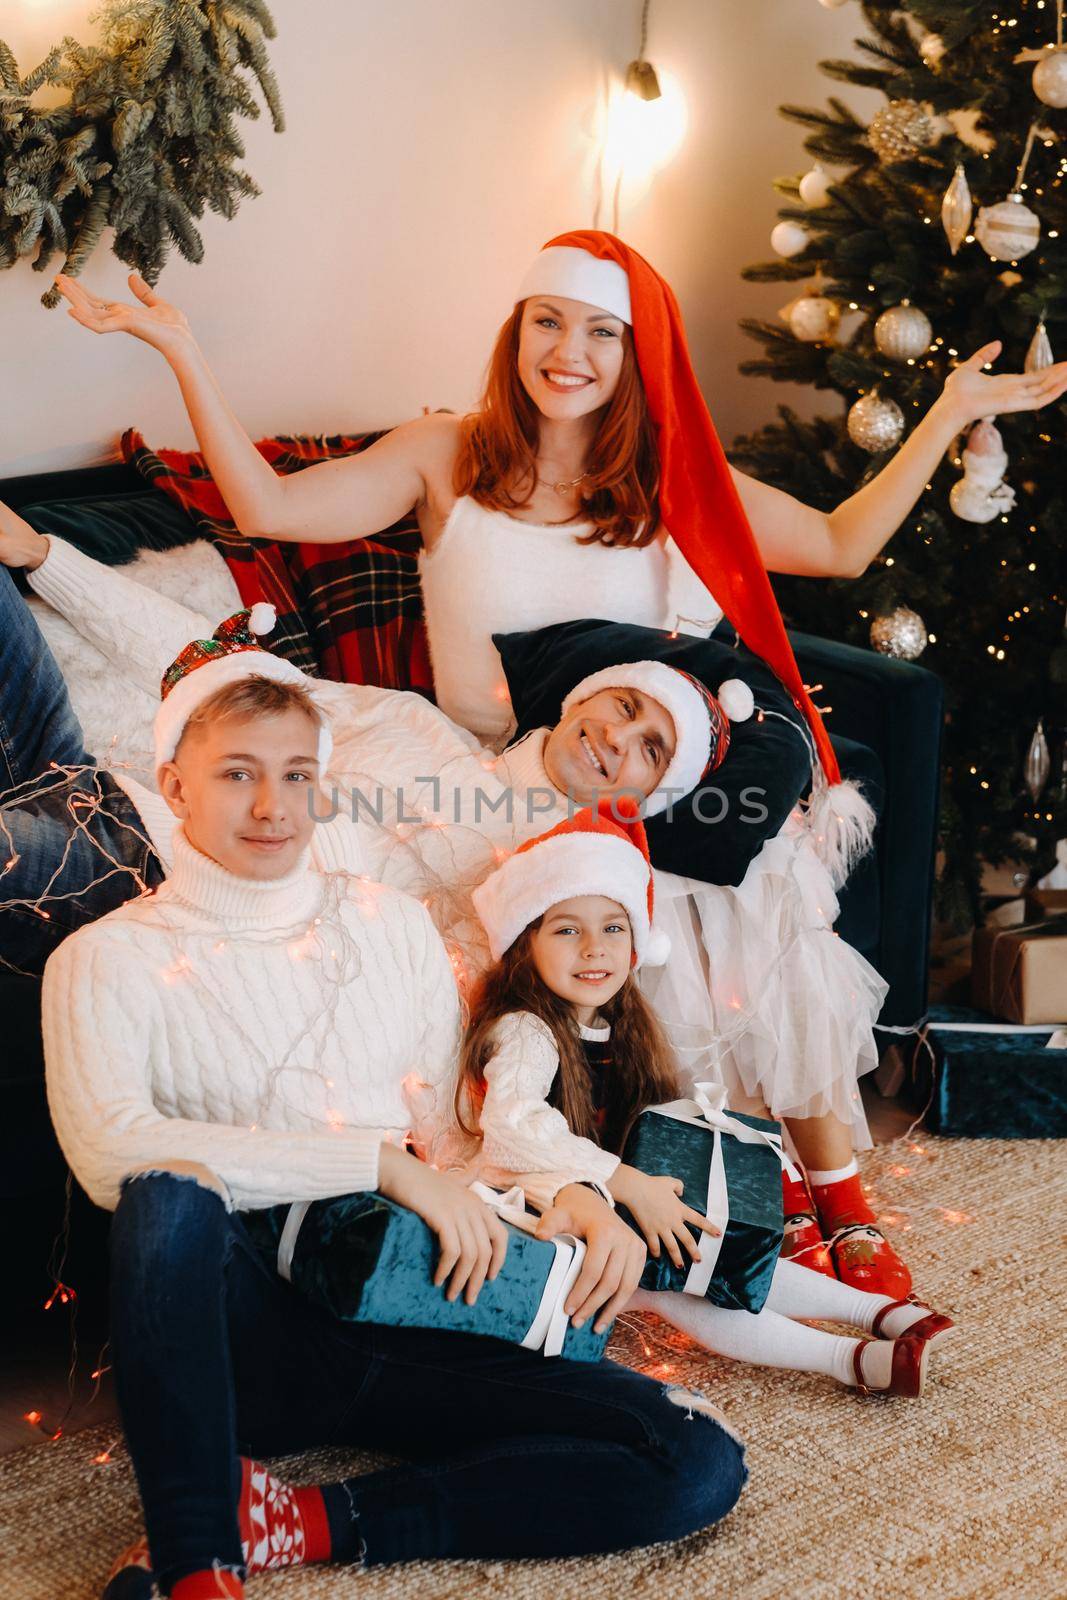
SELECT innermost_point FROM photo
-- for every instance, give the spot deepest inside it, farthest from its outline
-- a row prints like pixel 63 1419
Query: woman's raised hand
pixel 972 393
pixel 146 317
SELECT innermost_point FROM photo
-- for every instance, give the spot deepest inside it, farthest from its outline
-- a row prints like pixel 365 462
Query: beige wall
pixel 431 147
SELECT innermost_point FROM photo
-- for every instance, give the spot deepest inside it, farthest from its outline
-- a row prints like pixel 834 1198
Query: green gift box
pixel 366 1259
pixel 731 1166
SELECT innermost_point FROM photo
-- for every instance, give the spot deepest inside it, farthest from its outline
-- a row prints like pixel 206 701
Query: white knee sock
pixel 796 1291
pixel 766 1339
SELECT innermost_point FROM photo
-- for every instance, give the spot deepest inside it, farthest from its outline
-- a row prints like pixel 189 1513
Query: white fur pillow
pixel 115 714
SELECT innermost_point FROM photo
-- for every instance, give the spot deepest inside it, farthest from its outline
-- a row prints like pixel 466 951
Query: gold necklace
pixel 564 484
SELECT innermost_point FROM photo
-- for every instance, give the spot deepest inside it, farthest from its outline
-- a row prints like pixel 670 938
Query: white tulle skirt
pixel 760 994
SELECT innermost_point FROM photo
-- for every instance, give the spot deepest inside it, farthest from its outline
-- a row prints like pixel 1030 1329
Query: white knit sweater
pixel 277 1032
pixel 521 1131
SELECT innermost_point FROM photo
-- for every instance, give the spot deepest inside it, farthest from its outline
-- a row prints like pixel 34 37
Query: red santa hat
pixel 701 719
pixel 206 665
pixel 700 503
pixel 601 852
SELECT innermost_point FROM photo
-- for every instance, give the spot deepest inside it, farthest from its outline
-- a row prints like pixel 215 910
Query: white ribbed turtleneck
pixel 277 1032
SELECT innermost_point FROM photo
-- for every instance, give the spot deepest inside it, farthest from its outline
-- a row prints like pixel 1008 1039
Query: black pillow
pixel 715 832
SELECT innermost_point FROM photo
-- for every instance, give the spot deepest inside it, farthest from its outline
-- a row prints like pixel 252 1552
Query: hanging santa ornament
pixel 1050 73
pixel 815 187
pixel 981 494
pixel 812 317
pixel 789 239
pixel 903 333
pixel 1010 230
pixel 957 209
pixel 1039 355
pixel 900 130
pixel 901 633
pixel 875 424
pixel 1037 765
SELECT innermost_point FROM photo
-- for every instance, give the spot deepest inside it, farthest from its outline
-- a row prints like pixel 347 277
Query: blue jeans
pixel 507 1453
pixel 71 841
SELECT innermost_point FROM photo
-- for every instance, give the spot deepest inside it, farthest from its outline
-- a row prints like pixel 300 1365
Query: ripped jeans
pixel 506 1453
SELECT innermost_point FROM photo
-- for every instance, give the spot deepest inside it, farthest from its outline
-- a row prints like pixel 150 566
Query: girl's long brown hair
pixel 498 448
pixel 642 1069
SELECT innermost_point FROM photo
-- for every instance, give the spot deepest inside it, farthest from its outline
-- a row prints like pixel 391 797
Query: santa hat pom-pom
pixel 262 617
pixel 736 699
pixel 658 948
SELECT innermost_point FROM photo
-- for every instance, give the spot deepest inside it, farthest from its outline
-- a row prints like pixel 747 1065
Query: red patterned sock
pixel 802 1241
pixel 840 1198
pixel 280 1526
pixel 216 1584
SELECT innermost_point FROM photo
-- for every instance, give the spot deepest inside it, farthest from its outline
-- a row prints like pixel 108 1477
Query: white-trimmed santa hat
pixel 701 719
pixel 207 665
pixel 577 275
pixel 601 852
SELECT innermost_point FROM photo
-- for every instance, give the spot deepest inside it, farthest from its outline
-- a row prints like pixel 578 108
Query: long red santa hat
pixel 701 507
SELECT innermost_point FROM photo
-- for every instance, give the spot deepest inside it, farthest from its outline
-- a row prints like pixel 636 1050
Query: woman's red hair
pixel 498 449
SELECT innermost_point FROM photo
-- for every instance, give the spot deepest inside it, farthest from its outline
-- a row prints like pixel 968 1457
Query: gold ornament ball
pixel 902 634
pixel 1050 79
pixel 1009 230
pixel 900 130
pixel 813 317
pixel 903 332
pixel 875 424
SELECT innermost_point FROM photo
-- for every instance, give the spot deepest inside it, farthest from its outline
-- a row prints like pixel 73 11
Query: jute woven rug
pixel 959 1496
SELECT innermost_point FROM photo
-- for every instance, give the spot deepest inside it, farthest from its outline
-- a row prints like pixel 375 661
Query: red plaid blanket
pixel 350 611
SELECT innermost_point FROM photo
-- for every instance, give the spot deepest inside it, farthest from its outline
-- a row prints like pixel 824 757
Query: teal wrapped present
pixel 367 1259
pixel 731 1166
pixel 991 1080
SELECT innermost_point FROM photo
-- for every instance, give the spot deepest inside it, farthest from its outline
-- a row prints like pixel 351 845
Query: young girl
pixel 562 1052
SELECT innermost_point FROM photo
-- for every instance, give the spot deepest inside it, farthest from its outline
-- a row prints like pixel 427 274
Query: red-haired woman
pixel 553 502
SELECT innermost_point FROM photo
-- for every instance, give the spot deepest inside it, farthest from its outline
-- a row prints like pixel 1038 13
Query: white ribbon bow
pixel 706 1109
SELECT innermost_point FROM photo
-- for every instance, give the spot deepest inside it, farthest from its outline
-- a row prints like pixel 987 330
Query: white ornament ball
pixel 815 187
pixel 902 634
pixel 1009 230
pixel 1050 79
pixel 903 332
pixel 789 239
pixel 813 318
pixel 900 130
pixel 875 424
pixel 932 48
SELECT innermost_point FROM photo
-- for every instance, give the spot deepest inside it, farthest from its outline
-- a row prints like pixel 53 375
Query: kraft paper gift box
pixel 731 1166
pixel 1020 974
pixel 367 1259
pixel 991 1080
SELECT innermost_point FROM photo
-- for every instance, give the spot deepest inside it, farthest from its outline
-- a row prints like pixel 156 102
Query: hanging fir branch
pixel 144 141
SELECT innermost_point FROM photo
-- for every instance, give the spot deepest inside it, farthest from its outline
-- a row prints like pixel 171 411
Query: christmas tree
pixel 909 254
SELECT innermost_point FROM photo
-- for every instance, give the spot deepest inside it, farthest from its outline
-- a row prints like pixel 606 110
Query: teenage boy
pixel 258 1032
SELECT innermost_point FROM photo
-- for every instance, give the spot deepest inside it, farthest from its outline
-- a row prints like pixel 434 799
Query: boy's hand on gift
pixel 614 1255
pixel 656 1206
pixel 472 1238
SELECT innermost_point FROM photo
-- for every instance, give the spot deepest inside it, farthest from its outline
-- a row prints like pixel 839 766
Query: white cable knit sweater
pixel 218 1021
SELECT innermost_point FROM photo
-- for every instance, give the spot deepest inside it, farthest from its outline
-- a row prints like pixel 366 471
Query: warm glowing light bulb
pixel 643 135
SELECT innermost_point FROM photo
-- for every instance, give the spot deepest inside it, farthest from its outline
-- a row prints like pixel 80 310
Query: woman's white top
pixel 490 573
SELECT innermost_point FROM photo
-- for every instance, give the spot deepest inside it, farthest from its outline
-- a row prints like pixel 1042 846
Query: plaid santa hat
pixel 601 852
pixel 701 719
pixel 206 665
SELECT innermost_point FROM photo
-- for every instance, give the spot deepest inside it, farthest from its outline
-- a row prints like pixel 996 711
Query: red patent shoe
pixel 864 1259
pixel 803 1243
pixel 934 1328
pixel 907 1378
